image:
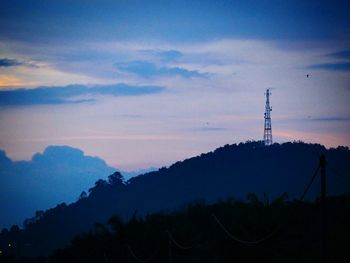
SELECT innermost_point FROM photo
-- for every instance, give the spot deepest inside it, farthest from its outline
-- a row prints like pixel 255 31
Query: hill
pixel 229 171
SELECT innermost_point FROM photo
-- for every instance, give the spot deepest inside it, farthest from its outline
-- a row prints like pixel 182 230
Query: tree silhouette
pixel 116 179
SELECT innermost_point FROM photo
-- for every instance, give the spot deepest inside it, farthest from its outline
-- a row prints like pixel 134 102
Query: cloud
pixel 35 179
pixel 209 129
pixel 331 119
pixel 345 54
pixel 7 62
pixel 70 94
pixel 170 55
pixel 343 66
pixel 12 81
pixel 147 70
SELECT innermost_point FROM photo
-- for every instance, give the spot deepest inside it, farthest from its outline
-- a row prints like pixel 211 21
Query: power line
pixel 335 172
pixel 139 259
pixel 171 238
pixel 266 237
pixel 245 242
pixel 310 183
pixel 176 243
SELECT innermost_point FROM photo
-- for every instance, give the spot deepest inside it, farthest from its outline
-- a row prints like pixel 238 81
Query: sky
pixel 147 83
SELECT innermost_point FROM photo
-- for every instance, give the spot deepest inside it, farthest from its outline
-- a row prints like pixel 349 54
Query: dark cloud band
pixel 70 94
pixel 344 66
pixel 345 54
pixel 6 62
pixel 332 119
pixel 147 70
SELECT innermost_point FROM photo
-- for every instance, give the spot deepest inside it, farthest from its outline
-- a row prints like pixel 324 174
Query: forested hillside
pixel 232 171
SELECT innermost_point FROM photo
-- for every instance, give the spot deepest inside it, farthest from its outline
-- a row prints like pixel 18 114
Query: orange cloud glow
pixel 11 81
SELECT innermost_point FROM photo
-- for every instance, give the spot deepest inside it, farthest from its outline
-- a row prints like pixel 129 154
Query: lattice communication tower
pixel 267 116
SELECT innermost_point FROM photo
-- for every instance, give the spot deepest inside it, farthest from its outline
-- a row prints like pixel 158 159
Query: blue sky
pixel 173 20
pixel 146 83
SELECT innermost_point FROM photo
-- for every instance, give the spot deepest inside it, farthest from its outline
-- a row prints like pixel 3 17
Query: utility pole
pixel 267 117
pixel 324 224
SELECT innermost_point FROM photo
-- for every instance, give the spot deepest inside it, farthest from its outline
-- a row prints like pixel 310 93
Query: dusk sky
pixel 148 83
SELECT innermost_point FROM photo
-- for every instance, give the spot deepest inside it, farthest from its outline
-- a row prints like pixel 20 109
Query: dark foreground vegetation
pixel 229 171
pixel 285 231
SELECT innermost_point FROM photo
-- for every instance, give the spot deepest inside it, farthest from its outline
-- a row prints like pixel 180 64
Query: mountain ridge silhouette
pixel 231 171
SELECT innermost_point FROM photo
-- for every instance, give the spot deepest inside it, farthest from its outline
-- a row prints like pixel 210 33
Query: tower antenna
pixel 267 116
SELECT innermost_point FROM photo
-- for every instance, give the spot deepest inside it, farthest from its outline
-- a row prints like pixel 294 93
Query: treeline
pixel 54 228
pixel 229 171
pixel 284 231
